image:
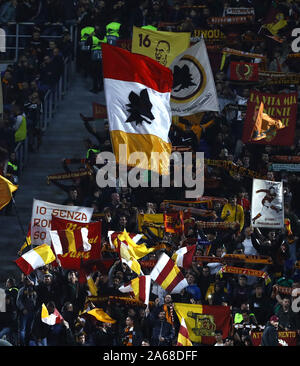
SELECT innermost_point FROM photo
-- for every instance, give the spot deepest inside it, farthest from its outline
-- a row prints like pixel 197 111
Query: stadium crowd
pixel 255 304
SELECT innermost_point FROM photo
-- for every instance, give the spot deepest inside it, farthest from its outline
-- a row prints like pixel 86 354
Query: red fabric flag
pixel 244 71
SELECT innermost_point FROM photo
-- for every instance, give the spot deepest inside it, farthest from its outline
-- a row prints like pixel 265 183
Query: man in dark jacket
pixel 270 334
pixel 162 332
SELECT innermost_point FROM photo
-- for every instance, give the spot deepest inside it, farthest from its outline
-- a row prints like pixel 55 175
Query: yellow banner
pixel 155 222
pixel 159 45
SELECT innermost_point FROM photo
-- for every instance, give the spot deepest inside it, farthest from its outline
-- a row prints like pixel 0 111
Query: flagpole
pixel 19 221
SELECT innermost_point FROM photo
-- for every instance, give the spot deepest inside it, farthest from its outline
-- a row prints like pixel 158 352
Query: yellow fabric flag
pixel 7 188
pixel 128 258
pixel 138 251
pixel 159 45
pixel 156 219
pixel 92 286
pixel 100 315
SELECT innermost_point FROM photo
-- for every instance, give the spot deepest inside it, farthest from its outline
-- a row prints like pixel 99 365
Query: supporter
pixel 219 338
pixel 243 329
pixel 260 304
pixel 270 333
pixel 233 212
pixel 131 335
pixel 193 288
pixel 241 292
pixel 286 317
pixel 26 305
pixel 104 335
pixel 204 281
pixel 162 331
pixel 220 295
pixel 48 290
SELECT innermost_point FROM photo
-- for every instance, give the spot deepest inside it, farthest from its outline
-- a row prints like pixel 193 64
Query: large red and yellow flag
pixel 265 125
pixel 203 320
pixel 137 91
pixel 7 188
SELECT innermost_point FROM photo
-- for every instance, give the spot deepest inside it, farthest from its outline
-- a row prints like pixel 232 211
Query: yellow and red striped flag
pixel 183 257
pixel 183 338
pixel 140 286
pixel 35 258
pixel 166 274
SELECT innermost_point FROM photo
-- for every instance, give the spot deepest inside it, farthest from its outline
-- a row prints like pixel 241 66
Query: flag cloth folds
pixel 265 125
pixel 194 87
pixel 126 257
pixel 161 46
pixel 35 258
pixel 155 223
pixel 70 236
pixel 64 241
pixel 137 91
pixel 50 319
pixel 168 275
pixel 140 286
pixel 183 338
pixel 92 286
pixel 100 315
pixel 203 320
pixel 7 188
pixel 114 239
pixel 137 251
pixel 183 257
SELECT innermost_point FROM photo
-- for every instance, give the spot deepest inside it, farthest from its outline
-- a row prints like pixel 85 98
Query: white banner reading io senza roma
pixel 267 205
pixel 42 214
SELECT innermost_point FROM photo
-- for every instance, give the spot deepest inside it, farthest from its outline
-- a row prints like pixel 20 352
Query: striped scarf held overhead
pixel 128 336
